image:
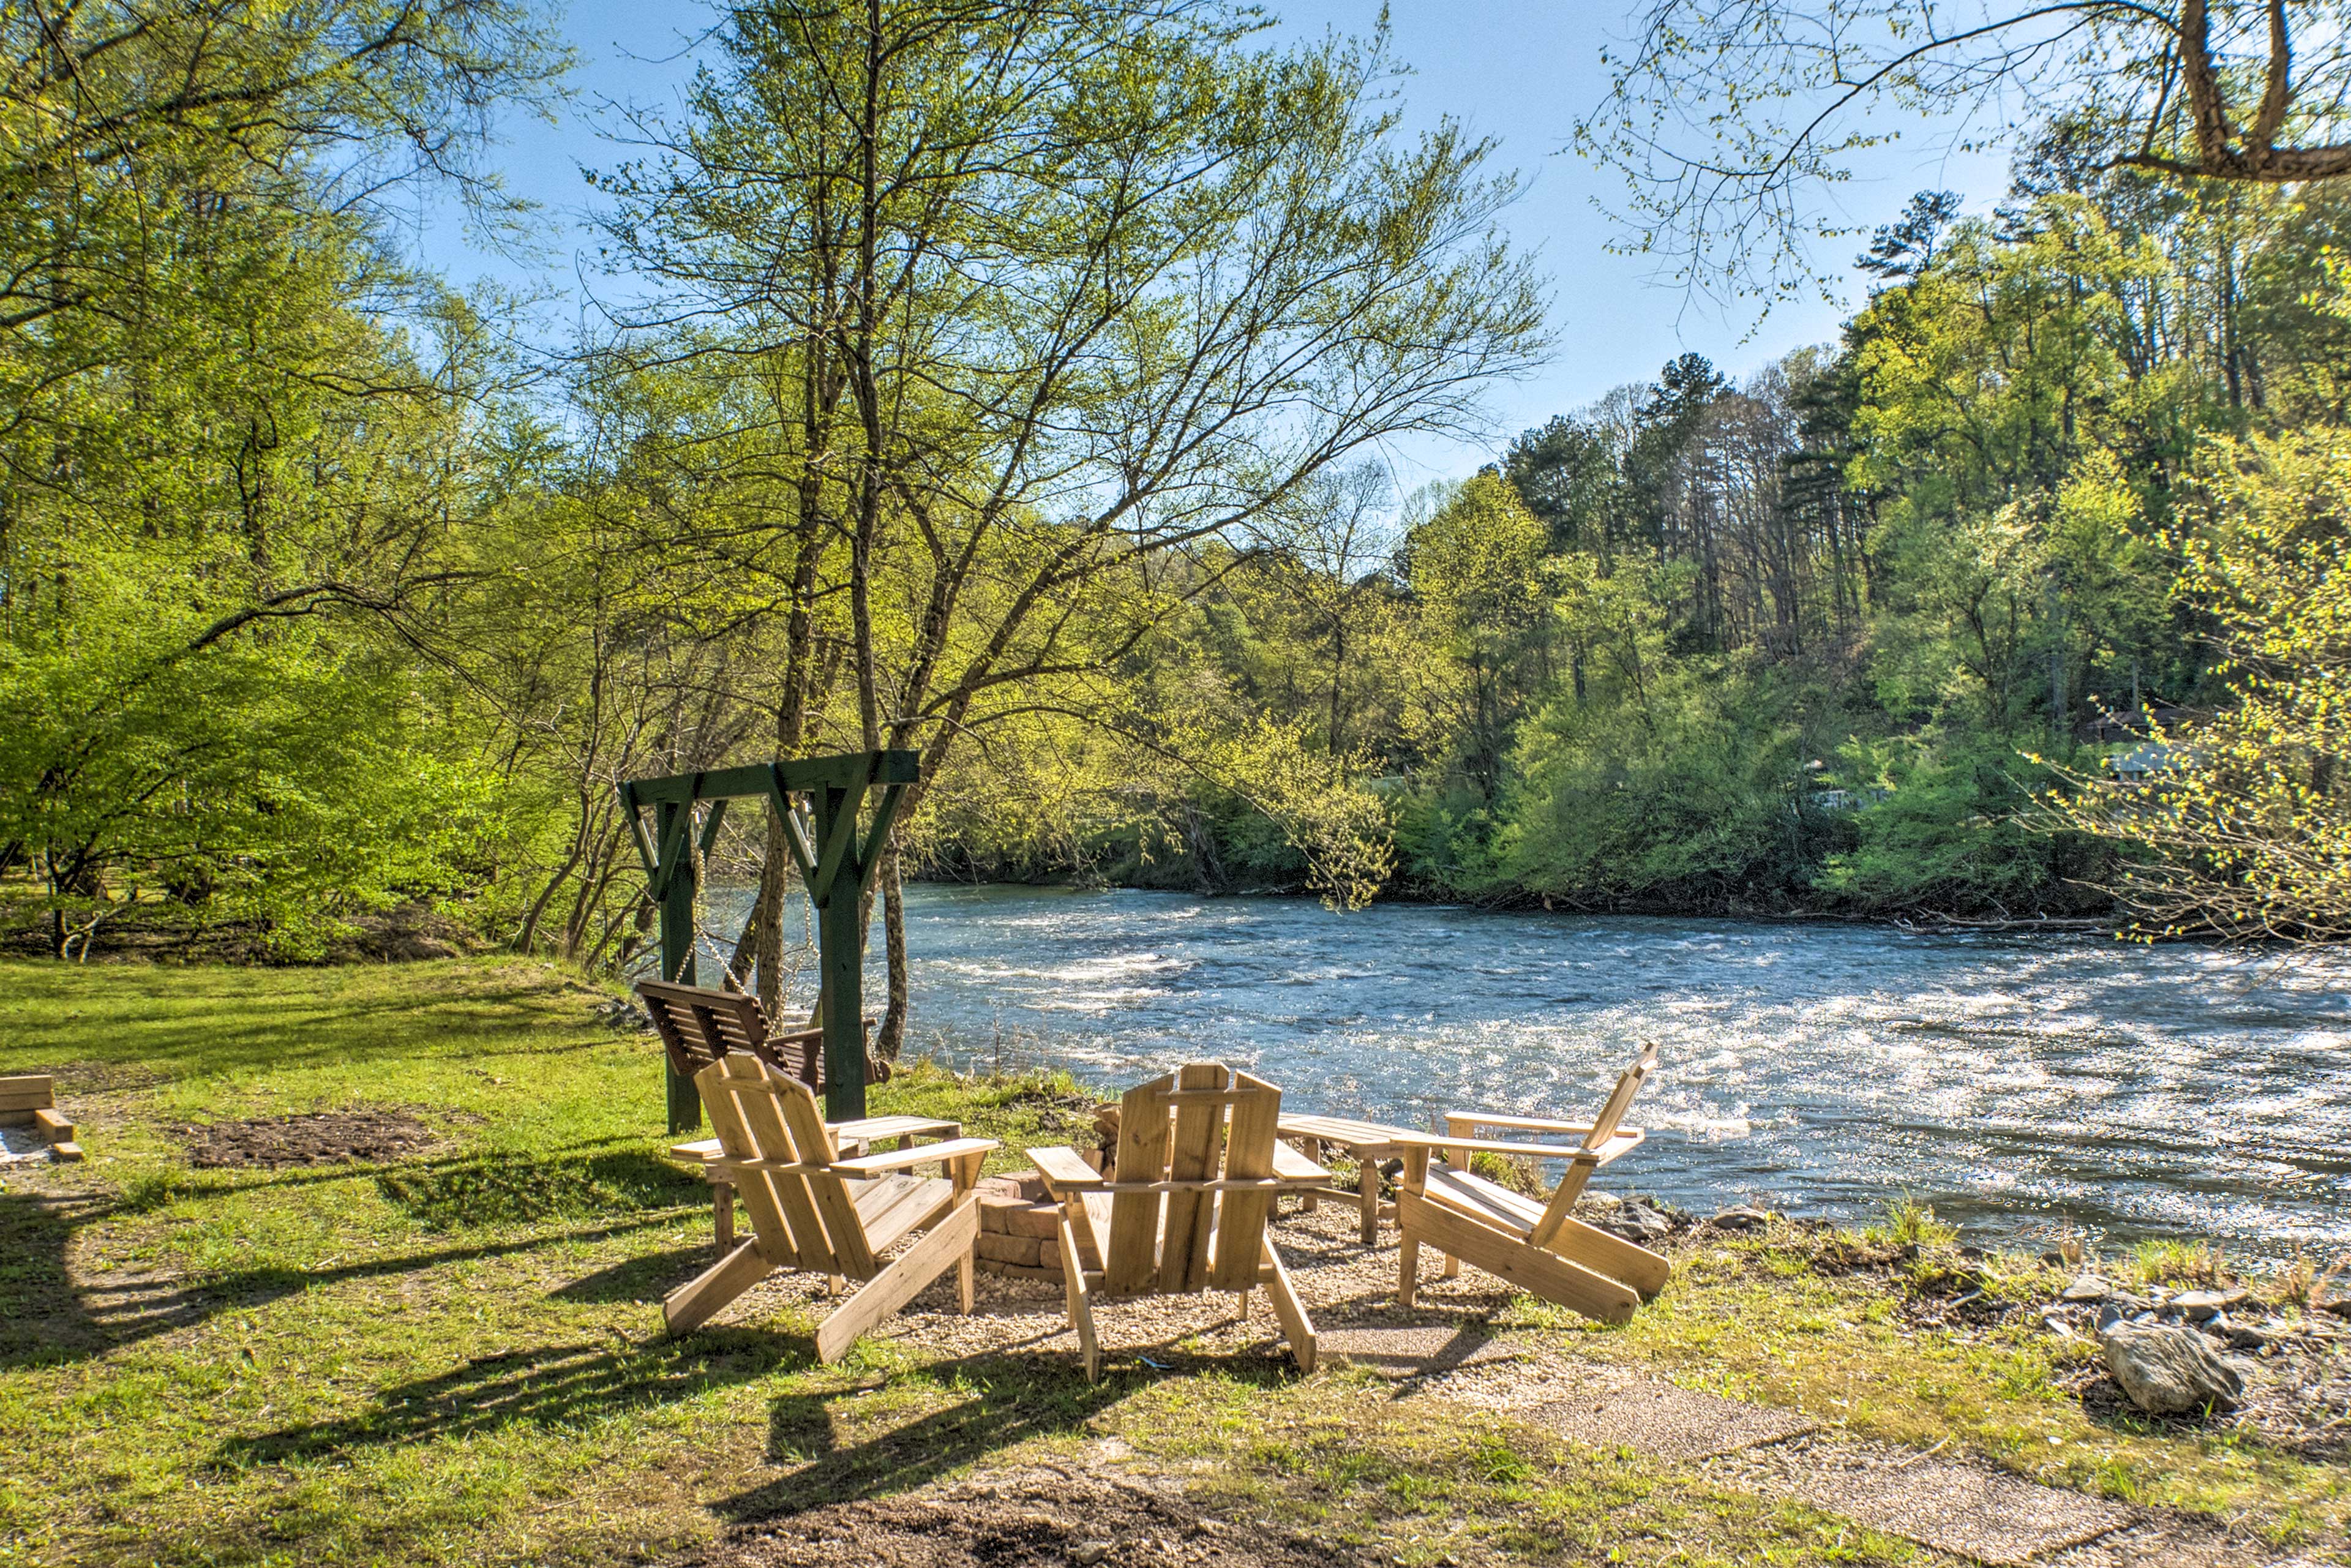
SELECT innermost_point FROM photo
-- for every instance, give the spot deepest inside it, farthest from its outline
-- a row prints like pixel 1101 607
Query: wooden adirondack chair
pixel 1194 1181
pixel 813 1210
pixel 1541 1247
pixel 698 1026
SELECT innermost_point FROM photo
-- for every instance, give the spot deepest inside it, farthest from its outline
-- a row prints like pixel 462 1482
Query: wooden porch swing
pixel 836 846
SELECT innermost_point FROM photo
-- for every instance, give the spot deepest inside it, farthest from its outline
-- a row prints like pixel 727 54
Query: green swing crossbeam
pixel 836 862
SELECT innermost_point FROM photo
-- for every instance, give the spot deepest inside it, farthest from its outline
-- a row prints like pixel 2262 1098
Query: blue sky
pixel 1519 70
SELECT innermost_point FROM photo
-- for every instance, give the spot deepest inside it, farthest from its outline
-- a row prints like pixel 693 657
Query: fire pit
pixel 1020 1227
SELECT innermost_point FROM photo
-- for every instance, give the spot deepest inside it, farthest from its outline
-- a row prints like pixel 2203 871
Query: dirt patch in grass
pixel 1034 1516
pixel 316 1138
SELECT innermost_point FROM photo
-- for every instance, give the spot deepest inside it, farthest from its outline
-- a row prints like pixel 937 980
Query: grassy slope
pixel 453 1361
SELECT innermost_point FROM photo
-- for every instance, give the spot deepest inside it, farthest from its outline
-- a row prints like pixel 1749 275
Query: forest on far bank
pixel 1820 639
pixel 1010 383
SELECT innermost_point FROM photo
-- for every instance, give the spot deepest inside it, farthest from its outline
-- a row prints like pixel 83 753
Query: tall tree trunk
pixel 768 932
pixel 893 1039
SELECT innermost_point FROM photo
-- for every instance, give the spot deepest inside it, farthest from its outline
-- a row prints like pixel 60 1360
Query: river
pixel 2017 1083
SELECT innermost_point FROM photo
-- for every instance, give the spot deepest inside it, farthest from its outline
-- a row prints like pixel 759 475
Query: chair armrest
pixel 1622 1141
pixel 1064 1172
pixel 704 1149
pixel 1439 1142
pixel 1465 1119
pixel 907 1159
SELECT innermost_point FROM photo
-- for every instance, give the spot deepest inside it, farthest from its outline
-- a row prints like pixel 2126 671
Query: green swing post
pixel 835 859
pixel 677 945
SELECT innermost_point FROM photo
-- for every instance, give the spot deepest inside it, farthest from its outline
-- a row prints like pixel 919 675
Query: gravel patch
pixel 1342 1285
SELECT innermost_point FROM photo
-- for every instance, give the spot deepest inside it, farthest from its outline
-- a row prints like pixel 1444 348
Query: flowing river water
pixel 2016 1084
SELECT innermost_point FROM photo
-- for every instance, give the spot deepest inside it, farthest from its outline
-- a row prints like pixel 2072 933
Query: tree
pixel 1330 546
pixel 1900 251
pixel 1729 118
pixel 1569 473
pixel 1472 567
pixel 1094 287
pixel 2238 823
pixel 236 450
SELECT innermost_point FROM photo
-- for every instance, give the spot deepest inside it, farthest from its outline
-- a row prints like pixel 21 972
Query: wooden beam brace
pixel 885 815
pixel 637 835
pixel 798 841
pixel 840 844
pixel 670 854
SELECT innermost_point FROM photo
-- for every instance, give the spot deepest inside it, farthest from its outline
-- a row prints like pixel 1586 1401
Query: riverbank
pixel 451 1353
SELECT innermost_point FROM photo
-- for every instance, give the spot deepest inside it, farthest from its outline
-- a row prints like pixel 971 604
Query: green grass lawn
pixel 453 1358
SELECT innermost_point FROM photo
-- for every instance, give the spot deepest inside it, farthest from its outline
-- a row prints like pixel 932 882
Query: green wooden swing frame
pixel 835 857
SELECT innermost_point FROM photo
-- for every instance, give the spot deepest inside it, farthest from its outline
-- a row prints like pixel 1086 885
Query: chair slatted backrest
pixel 803 1217
pixel 1188 1131
pixel 1561 1205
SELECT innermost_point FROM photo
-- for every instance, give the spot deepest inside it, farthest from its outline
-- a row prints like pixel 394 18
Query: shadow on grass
pixel 48 1318
pixel 638 1279
pixel 42 1319
pixel 1006 1402
pixel 516 1188
pixel 153 1189
pixel 548 1386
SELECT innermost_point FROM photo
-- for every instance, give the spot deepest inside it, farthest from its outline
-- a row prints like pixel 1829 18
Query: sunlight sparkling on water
pixel 2014 1083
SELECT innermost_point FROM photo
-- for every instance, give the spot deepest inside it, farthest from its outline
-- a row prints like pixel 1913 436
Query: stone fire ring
pixel 1020 1227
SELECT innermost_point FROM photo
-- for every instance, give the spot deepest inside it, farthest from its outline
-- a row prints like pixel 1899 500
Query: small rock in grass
pixel 2249 1336
pixel 1742 1219
pixel 1637 1221
pixel 2166 1370
pixel 2086 1288
pixel 2196 1305
pixel 1086 1554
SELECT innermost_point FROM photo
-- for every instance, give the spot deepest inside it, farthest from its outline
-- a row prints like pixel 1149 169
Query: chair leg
pixel 1081 1310
pixel 964 1283
pixel 1367 1194
pixel 691 1304
pixel 722 1215
pixel 1407 1268
pixel 1296 1326
pixel 1241 1307
pixel 1312 1149
pixel 899 1283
